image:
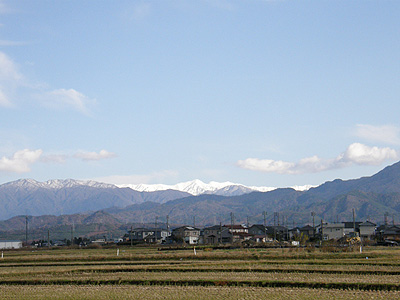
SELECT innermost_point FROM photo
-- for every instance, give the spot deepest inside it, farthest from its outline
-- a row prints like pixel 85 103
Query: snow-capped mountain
pixel 198 187
pixel 57 184
pixel 28 196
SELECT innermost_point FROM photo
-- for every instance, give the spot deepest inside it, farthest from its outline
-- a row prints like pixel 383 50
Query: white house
pixel 10 244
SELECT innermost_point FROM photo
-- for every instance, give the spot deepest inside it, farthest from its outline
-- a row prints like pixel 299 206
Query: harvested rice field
pixel 148 273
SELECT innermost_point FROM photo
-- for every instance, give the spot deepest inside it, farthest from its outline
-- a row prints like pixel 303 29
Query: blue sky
pixel 271 93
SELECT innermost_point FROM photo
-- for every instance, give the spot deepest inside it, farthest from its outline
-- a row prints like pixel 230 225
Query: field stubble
pixel 141 273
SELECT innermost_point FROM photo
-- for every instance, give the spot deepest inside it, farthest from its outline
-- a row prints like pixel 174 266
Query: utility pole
pixel 168 223
pixel 354 222
pixel 48 237
pixel 386 218
pixel 265 225
pixel 313 224
pixel 26 231
pixel 194 221
pixel 220 232
pixel 72 235
pixel 130 236
pixel 155 230
pixel 232 221
pixel 276 215
pixel 322 230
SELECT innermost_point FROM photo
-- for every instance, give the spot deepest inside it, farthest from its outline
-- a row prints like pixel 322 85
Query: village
pixel 340 233
pixel 343 232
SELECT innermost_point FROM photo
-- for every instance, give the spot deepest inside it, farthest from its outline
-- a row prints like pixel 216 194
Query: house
pixel 349 228
pixel 307 230
pixel 10 244
pixel 237 228
pixel 186 234
pixel 391 233
pixel 217 234
pixel 259 233
pixel 280 233
pixel 241 236
pixel 257 229
pixel 148 235
pixel 367 229
pixel 331 231
pixel 239 233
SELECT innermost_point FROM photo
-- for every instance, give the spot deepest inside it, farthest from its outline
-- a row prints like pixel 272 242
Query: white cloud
pixel 363 155
pixel 54 158
pixel 61 98
pixel 265 165
pixel 138 11
pixel 8 69
pixel 10 78
pixel 103 154
pixel 356 153
pixel 386 133
pixel 11 81
pixel 4 99
pixel 221 4
pixel 11 43
pixel 20 162
pixel 3 8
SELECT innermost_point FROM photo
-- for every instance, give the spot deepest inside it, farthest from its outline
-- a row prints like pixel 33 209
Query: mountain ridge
pixel 371 197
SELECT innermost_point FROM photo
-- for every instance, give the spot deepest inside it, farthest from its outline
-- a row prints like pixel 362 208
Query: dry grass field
pixel 147 273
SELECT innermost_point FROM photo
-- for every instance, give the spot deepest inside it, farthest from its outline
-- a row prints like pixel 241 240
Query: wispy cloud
pixel 67 98
pixel 4 9
pixel 10 78
pixel 4 43
pixel 137 11
pixel 87 156
pixel 4 101
pixel 221 4
pixel 388 134
pixel 8 69
pixel 54 158
pixel 21 161
pixel 356 153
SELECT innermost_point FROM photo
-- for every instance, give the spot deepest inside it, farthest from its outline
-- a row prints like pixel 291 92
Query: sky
pixel 257 92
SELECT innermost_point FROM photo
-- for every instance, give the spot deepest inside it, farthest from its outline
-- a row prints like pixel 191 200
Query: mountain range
pixel 31 197
pixel 58 202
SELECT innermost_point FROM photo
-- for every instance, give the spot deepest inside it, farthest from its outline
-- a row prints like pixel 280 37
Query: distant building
pixel 331 231
pixel 187 234
pixel 12 244
pixel 280 233
pixel 237 228
pixel 349 228
pixel 257 229
pixel 217 235
pixel 148 235
pixel 239 233
pixel 307 231
pixel 386 232
pixel 367 229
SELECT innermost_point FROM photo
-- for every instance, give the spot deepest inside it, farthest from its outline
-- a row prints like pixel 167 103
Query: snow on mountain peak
pixel 58 184
pixel 198 187
pixel 194 187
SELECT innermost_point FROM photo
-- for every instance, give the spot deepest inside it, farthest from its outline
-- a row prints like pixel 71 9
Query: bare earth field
pixel 147 273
